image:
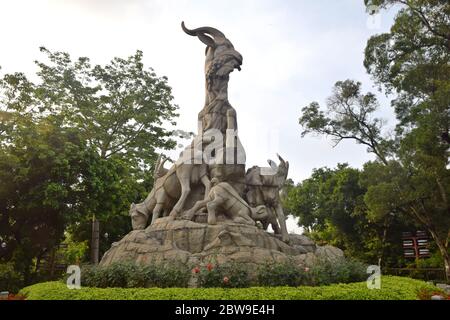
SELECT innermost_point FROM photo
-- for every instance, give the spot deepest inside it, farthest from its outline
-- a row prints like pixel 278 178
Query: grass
pixel 392 288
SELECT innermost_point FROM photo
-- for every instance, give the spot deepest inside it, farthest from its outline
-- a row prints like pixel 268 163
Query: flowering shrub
pixel 283 274
pixel 231 275
pixel 12 296
pixel 427 293
pixel 130 275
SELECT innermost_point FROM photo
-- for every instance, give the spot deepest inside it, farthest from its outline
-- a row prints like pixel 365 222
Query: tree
pixel 121 109
pixel 348 115
pixel 330 205
pixel 410 177
pixel 80 141
pixel 38 173
pixel 413 60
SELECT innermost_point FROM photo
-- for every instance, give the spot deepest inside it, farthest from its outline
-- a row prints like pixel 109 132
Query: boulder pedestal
pixel 192 243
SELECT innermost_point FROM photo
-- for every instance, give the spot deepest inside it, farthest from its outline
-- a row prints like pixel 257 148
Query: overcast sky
pixel 294 51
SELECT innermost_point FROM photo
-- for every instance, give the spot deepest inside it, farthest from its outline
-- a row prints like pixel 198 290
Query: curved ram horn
pixel 281 159
pixel 208 30
pixel 206 40
pixel 272 164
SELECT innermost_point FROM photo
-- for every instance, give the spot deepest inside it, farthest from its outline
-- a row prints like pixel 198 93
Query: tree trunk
pixel 447 267
pixel 95 241
pixel 446 257
pixel 383 241
pixel 444 252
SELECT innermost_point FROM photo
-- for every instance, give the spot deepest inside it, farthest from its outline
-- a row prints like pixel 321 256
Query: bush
pixel 427 293
pixel 171 276
pixel 74 252
pixel 326 272
pixel 130 275
pixel 283 274
pixel 392 288
pixel 10 280
pixel 231 275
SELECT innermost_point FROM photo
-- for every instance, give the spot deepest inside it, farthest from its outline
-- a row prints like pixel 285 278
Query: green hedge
pixel 130 275
pixel 392 288
pixel 228 275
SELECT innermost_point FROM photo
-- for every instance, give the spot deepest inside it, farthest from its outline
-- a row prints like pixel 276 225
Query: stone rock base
pixel 192 244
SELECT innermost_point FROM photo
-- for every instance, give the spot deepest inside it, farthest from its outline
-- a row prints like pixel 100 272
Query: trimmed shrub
pixel 342 270
pixel 130 275
pixel 167 276
pixel 283 274
pixel 323 272
pixel 392 288
pixel 231 275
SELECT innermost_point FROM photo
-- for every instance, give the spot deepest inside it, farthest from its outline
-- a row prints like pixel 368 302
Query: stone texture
pixel 329 253
pixel 302 243
pixel 191 243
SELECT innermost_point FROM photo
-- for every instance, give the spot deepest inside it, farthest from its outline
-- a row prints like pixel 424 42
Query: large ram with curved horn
pixel 221 60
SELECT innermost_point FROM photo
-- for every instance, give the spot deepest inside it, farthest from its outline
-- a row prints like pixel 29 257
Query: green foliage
pixel 340 271
pixel 415 51
pixel 414 60
pixel 39 170
pixel 230 275
pixel 331 206
pixel 119 108
pixel 348 115
pixel 130 275
pixel 434 261
pixel 283 274
pixel 75 252
pixel 79 141
pixel 410 181
pixel 10 279
pixel 323 272
pixel 392 288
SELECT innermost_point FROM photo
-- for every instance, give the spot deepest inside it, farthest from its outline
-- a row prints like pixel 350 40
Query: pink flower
pixel 306 269
pixel 196 270
pixel 226 280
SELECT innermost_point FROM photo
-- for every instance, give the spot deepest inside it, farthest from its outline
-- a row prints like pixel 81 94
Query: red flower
pixel 209 266
pixel 15 297
pixel 226 280
pixel 196 270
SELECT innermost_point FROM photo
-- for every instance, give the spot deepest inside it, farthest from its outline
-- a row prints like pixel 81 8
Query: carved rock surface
pixel 191 243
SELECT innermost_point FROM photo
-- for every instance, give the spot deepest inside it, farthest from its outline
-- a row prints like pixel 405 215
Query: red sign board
pixel 415 246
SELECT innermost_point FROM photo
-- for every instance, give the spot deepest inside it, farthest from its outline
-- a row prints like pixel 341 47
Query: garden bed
pixel 392 288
